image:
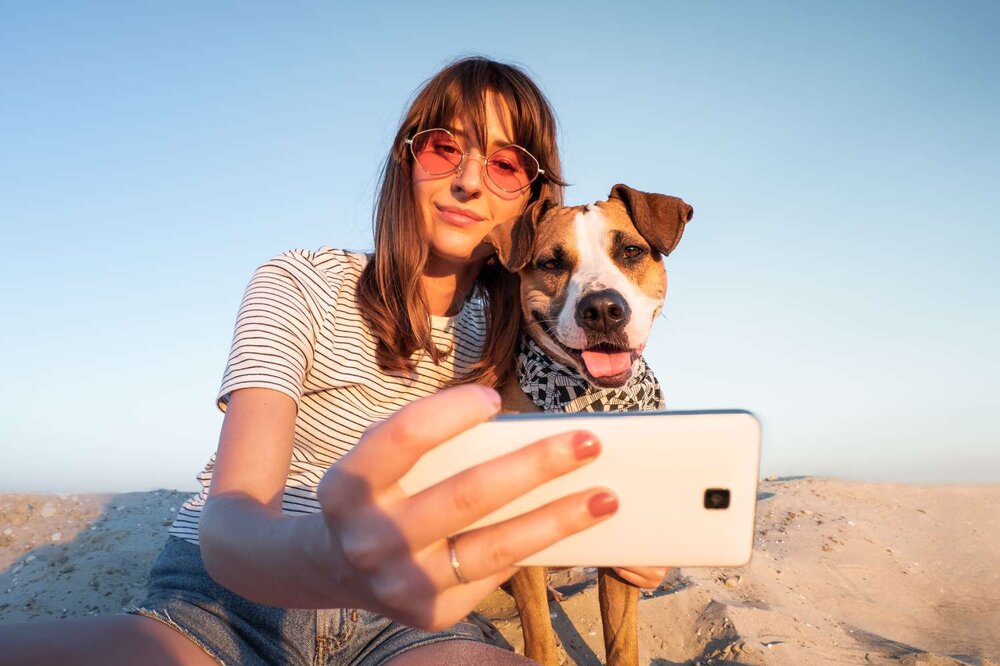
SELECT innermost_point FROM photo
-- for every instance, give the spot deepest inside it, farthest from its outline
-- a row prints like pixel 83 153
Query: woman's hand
pixel 644 577
pixel 388 552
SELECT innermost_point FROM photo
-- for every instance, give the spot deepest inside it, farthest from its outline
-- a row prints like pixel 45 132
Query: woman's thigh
pixel 460 653
pixel 235 630
pixel 104 640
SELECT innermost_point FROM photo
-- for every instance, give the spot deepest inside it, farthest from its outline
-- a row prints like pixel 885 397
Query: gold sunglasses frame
pixel 485 158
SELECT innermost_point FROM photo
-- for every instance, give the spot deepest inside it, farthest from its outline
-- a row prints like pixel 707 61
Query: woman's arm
pixel 371 546
pixel 247 545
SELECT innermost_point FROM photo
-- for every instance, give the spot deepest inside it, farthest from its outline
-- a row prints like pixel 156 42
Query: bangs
pixel 518 106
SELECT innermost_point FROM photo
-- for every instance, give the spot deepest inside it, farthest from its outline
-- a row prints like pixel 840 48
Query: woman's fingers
pixel 486 551
pixel 453 504
pixel 454 603
pixel 389 449
pixel 467 596
pixel 645 577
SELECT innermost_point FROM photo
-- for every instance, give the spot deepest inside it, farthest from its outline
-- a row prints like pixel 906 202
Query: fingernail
pixel 585 445
pixel 602 504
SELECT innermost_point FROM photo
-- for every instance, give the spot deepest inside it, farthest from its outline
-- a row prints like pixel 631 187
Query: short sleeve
pixel 276 330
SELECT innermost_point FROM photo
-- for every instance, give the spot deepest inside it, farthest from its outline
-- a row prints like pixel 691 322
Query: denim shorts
pixel 234 630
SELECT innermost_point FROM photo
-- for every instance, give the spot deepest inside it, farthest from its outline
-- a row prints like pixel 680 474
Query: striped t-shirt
pixel 299 331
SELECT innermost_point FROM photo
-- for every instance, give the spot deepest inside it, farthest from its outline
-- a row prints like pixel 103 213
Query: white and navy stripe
pixel 299 331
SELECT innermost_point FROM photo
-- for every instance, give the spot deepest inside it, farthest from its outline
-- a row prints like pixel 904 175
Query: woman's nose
pixel 469 176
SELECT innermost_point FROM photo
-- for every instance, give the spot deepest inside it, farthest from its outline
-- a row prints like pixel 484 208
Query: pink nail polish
pixel 602 504
pixel 585 446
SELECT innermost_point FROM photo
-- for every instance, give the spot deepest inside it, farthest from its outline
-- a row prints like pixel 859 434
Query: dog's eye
pixel 634 251
pixel 549 264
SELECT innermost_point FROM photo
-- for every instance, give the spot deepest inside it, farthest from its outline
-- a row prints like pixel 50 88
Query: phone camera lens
pixel 717 498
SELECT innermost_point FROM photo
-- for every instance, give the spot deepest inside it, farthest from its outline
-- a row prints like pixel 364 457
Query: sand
pixel 842 573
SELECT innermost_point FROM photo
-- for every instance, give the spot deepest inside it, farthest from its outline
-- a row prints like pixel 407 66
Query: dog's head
pixel 592 277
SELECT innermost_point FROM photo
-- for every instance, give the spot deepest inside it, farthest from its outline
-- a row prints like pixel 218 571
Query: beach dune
pixel 842 573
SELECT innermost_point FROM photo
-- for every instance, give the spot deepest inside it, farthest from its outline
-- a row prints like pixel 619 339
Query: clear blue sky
pixel 839 277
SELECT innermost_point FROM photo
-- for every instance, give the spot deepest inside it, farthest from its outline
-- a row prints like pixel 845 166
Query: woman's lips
pixel 458 216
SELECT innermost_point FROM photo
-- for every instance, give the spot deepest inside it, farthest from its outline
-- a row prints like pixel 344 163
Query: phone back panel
pixel 660 464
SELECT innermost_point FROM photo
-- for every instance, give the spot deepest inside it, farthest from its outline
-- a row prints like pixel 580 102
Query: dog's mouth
pixel 605 364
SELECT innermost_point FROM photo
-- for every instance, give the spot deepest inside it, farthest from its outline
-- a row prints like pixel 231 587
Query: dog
pixel 592 281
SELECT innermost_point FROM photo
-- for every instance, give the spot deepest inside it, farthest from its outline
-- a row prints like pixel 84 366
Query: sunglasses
pixel 511 168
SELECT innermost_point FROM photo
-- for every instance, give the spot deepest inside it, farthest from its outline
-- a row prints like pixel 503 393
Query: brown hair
pixel 390 296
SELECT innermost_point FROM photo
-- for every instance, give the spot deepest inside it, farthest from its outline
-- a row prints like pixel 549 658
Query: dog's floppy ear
pixel 659 218
pixel 514 241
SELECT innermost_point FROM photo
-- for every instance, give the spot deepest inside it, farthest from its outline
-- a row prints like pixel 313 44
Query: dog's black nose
pixel 602 311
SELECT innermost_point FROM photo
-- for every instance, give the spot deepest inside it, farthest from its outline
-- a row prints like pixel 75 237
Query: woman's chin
pixel 459 253
pixel 444 259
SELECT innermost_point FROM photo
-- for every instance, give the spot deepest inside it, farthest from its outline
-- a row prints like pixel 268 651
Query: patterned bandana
pixel 556 388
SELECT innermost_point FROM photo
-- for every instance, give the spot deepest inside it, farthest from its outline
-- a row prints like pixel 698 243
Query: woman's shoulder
pixel 325 279
pixel 324 259
pixel 328 266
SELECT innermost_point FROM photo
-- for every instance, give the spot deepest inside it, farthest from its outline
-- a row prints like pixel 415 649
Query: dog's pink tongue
pixel 603 364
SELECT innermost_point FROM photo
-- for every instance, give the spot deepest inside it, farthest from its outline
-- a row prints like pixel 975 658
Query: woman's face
pixel 459 209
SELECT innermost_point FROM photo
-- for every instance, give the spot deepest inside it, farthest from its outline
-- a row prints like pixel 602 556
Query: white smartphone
pixel 686 483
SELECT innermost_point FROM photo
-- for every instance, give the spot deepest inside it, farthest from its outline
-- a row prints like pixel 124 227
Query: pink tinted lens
pixel 436 151
pixel 512 168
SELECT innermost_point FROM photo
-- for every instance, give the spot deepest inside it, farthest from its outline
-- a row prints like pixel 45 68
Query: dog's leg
pixel 620 617
pixel 531 597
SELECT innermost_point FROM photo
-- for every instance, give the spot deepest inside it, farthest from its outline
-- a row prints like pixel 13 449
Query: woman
pixel 326 344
